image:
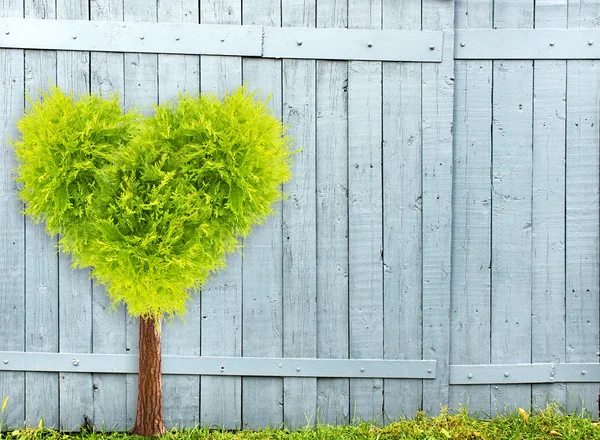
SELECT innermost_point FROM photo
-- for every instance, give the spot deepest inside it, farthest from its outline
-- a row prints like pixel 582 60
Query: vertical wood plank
pixel 511 209
pixel 299 225
pixel 365 216
pixel 141 90
pixel 221 397
pixel 221 74
pixel 471 213
pixel 333 406
pixel 511 220
pixel 262 398
pixel 41 268
pixel 437 102
pixel 548 215
pixel 75 287
pixel 12 235
pixel 582 240
pixel 108 323
pixel 181 394
pixel 402 207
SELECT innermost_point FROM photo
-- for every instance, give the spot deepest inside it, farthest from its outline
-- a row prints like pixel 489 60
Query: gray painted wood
pixel 108 322
pixel 75 287
pixel 548 216
pixel 582 248
pixel 471 231
pixel 471 212
pixel 437 106
pixel 365 246
pixel 41 261
pixel 12 234
pixel 402 208
pixel 583 93
pixel 511 209
pixel 332 219
pixel 221 397
pixel 262 398
pixel 181 394
pixel 300 224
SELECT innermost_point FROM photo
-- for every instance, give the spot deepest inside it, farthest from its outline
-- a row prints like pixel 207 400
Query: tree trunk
pixel 149 420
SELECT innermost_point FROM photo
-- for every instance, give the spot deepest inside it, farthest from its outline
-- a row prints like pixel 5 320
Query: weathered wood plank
pixel 221 397
pixel 262 262
pixel 548 216
pixel 471 213
pixel 220 74
pixel 299 225
pixel 41 260
pixel 333 405
pixel 471 232
pixel 402 208
pixel 181 394
pixel 437 108
pixel 511 220
pixel 41 318
pixel 582 238
pixel 108 323
pixel 365 247
pixel 511 209
pixel 141 90
pixel 75 287
pixel 12 227
pixel 582 241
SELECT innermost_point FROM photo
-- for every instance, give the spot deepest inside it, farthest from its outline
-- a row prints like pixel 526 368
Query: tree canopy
pixel 151 204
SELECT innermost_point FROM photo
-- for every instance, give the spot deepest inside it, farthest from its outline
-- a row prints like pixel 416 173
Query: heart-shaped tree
pixel 151 204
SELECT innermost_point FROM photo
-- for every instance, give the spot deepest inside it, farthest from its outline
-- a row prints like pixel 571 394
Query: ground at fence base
pixel 551 423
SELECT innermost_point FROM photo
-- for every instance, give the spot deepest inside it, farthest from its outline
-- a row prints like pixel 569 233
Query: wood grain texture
pixel 12 226
pixel 471 232
pixel 511 221
pixel 300 224
pixel 437 107
pixel 548 216
pixel 176 74
pixel 41 260
pixel 220 74
pixel 471 213
pixel 221 397
pixel 109 324
pixel 262 331
pixel 365 242
pixel 583 93
pixel 582 241
pixel 75 287
pixel 332 218
pixel 511 209
pixel 402 208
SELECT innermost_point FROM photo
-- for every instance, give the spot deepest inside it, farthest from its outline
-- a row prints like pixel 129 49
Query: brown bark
pixel 149 420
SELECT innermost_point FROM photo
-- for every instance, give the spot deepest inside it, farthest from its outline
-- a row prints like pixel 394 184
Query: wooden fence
pixel 440 210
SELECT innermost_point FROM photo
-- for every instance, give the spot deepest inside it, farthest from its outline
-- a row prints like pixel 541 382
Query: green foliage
pixel 549 424
pixel 152 204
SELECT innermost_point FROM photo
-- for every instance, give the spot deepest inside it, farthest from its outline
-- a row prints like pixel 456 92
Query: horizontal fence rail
pixel 298 43
pixel 524 373
pixel 221 366
pixel 527 44
pixel 227 40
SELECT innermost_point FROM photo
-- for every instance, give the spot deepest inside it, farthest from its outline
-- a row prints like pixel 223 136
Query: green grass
pixel 548 424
